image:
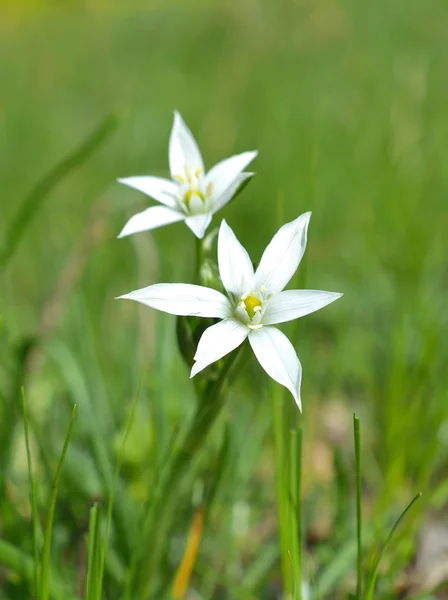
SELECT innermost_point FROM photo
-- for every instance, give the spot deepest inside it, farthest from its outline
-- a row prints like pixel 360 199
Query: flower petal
pixel 235 266
pixel 217 341
pixel 223 174
pixel 292 304
pixel 183 299
pixel 198 224
pixel 276 355
pixel 239 183
pixel 283 255
pixel 183 149
pixel 160 189
pixel 151 218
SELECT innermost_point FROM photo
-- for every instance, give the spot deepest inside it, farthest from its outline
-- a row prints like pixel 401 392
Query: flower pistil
pixel 251 307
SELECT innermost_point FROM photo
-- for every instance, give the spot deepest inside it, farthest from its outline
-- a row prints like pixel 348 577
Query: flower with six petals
pixel 192 195
pixel 253 304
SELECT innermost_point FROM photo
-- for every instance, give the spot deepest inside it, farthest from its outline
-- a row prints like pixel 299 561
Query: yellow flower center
pixel 252 304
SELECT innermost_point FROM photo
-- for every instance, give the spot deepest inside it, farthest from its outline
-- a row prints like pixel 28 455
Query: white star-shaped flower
pixel 254 303
pixel 192 195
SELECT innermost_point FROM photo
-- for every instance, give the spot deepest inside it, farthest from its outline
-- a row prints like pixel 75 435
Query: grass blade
pixel 282 486
pixel 93 580
pixel 35 198
pixel 45 563
pixel 373 577
pixel 113 491
pixel 357 434
pixel 295 512
pixel 21 563
pixel 32 482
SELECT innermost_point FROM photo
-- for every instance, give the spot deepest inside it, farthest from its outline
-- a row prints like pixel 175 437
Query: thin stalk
pixel 91 579
pixel 357 434
pixel 281 465
pixel 295 528
pixel 32 483
pixel 199 247
pixel 45 562
pixel 374 576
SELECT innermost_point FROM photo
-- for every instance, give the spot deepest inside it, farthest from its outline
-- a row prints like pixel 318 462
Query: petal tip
pixel 122 234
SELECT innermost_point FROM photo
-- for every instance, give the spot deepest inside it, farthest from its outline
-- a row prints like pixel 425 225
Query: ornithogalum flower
pixel 254 303
pixel 192 195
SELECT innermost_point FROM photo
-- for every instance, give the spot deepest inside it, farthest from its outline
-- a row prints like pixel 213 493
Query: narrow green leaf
pixel 45 561
pixel 119 463
pixel 357 434
pixel 34 515
pixel 93 579
pixel 19 562
pixel 90 580
pixel 374 575
pixel 281 469
pixel 33 202
pixel 295 508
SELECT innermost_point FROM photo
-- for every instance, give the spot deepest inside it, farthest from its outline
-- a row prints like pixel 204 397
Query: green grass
pixel 346 102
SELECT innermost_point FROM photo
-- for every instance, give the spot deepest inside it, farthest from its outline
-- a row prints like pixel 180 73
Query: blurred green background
pixel 346 102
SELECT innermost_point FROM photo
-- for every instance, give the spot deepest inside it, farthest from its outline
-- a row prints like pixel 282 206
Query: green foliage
pixel 345 102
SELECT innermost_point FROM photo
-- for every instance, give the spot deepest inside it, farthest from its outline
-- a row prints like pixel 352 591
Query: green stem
pixel 32 482
pixel 158 519
pixel 357 434
pixel 295 527
pixel 45 564
pixel 199 260
pixel 281 465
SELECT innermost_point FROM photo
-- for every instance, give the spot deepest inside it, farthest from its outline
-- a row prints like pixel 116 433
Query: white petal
pixel 160 189
pixel 292 304
pixel 235 266
pixel 230 192
pixel 283 255
pixel 217 341
pixel 198 224
pixel 183 149
pixel 276 355
pixel 183 299
pixel 223 174
pixel 151 218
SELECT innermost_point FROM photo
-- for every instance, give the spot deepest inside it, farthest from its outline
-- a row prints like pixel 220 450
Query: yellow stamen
pixel 253 305
pixel 209 190
pixel 187 198
pixel 189 175
pixel 179 178
pixel 189 194
pixel 198 172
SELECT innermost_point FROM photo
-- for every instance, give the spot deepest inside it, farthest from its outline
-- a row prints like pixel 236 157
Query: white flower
pixel 192 195
pixel 255 301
